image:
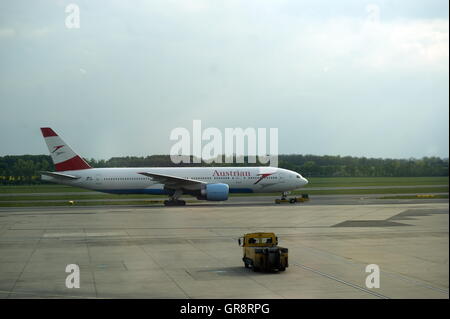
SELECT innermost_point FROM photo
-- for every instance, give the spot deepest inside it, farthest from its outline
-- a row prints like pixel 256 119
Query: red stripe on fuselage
pixel 72 164
pixel 47 131
pixel 262 177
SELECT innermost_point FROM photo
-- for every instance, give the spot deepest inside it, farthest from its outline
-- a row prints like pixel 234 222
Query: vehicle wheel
pixel 246 265
pixel 282 269
pixel 292 200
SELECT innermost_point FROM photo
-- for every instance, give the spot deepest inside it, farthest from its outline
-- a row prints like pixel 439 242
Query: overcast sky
pixel 359 78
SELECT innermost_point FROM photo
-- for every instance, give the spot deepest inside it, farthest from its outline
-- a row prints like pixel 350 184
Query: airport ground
pixel 192 252
pixel 398 187
pixel 134 247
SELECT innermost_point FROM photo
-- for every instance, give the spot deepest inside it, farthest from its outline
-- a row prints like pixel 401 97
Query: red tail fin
pixel 64 158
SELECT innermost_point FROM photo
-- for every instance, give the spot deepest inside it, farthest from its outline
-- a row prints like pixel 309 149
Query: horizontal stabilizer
pixel 59 175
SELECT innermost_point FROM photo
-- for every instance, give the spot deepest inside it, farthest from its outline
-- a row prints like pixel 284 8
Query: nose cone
pixel 305 181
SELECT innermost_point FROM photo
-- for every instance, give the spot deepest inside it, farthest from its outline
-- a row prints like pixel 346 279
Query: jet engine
pixel 214 192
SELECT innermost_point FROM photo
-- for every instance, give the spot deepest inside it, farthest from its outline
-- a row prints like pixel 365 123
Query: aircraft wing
pixel 59 175
pixel 174 181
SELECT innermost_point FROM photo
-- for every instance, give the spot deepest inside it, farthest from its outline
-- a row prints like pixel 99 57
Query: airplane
pixel 204 183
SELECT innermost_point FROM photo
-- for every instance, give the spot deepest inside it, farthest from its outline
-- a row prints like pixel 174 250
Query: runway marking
pixel 90 262
pixel 384 272
pixel 58 235
pixel 217 259
pixel 165 272
pixel 36 245
pixel 342 281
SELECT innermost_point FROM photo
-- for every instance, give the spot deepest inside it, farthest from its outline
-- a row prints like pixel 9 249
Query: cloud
pixel 24 32
pixel 417 43
pixel 7 33
pixel 335 68
pixel 39 32
pixel 373 44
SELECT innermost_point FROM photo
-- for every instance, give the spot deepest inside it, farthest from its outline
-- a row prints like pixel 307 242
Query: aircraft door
pixel 281 178
pixel 98 179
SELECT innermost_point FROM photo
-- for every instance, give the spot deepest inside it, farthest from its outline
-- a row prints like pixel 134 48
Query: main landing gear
pixel 174 201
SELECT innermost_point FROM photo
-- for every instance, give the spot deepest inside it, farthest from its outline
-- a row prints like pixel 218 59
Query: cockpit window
pixel 298 176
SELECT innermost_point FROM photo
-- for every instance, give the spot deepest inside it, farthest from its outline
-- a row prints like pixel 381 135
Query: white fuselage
pixel 239 179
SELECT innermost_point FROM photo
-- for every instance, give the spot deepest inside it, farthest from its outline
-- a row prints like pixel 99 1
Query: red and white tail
pixel 64 158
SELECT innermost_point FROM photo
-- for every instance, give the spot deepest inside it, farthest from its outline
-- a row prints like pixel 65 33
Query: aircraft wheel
pixel 174 203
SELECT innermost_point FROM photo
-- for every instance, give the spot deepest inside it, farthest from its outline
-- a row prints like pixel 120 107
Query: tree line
pixel 24 169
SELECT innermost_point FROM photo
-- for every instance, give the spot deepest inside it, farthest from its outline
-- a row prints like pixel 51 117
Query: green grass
pixel 374 191
pixel 313 182
pixel 414 197
pixel 77 197
pixel 99 203
pixel 39 189
pixel 80 196
pixel 158 202
pixel 131 199
pixel 374 181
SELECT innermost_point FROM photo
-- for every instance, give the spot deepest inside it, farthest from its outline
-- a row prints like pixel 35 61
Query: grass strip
pixel 415 197
pixel 310 192
pixel 313 182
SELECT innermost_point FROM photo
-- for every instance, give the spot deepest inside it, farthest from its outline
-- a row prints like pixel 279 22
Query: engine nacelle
pixel 215 192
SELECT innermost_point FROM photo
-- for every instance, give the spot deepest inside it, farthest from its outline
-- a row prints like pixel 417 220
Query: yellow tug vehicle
pixel 292 200
pixel 262 253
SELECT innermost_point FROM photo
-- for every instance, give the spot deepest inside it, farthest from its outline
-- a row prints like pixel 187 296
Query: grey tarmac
pixel 192 251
